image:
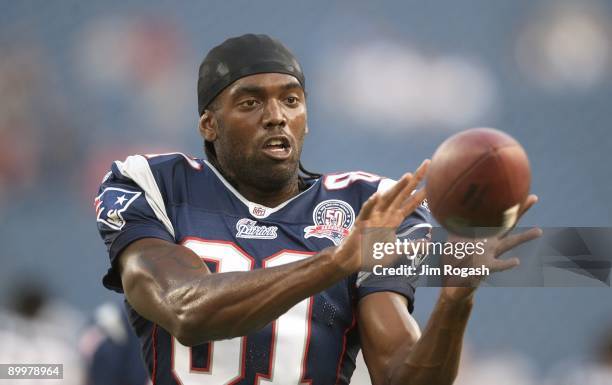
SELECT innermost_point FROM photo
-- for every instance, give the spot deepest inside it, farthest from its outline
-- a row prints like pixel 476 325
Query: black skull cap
pixel 242 56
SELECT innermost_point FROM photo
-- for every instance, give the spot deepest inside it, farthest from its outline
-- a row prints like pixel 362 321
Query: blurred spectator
pixel 111 349
pixel 37 329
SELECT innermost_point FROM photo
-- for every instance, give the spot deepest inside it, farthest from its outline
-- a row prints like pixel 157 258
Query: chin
pixel 281 174
pixel 273 176
pixel 262 172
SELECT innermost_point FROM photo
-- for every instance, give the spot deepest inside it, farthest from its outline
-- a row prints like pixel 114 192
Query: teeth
pixel 276 143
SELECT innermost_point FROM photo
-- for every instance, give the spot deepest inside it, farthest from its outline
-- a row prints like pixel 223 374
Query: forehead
pixel 265 82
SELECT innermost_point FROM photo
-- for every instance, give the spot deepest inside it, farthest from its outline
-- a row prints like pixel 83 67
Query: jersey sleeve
pixel 127 209
pixel 416 226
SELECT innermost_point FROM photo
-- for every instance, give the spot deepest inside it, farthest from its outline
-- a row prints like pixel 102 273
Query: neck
pixel 268 198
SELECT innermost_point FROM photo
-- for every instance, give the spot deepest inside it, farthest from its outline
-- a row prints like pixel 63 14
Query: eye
pixel 249 103
pixel 292 100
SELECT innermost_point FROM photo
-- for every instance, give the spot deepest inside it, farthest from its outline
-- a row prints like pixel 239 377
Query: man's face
pixel 258 127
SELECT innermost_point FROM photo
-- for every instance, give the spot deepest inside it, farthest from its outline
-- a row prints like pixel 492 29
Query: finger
pixel 422 169
pixel 505 264
pixel 514 240
pixel 402 198
pixel 368 206
pixel 531 200
pixel 415 200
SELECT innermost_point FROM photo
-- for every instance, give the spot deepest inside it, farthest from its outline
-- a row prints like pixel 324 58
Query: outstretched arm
pixel 393 348
pixel 396 352
pixel 169 285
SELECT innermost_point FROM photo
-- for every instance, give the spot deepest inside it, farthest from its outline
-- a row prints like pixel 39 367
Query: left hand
pixel 458 288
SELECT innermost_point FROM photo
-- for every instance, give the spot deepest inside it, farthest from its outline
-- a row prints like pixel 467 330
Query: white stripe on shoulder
pixel 412 229
pixel 137 169
pixel 362 276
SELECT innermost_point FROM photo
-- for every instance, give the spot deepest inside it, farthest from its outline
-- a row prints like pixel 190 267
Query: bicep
pixel 150 269
pixel 385 325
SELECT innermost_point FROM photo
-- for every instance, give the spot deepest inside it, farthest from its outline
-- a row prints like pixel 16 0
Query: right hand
pixel 378 221
pixel 457 287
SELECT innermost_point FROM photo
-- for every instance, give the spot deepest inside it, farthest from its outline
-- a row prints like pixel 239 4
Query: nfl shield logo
pixel 258 211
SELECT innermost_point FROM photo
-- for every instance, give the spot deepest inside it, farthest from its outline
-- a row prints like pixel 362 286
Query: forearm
pixel 169 285
pixel 225 305
pixel 434 358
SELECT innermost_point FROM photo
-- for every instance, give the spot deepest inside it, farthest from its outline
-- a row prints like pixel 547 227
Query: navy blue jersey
pixel 187 201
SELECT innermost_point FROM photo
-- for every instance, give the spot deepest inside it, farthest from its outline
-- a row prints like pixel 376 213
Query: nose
pixel 274 115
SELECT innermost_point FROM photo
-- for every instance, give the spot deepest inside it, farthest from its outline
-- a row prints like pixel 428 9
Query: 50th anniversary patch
pixel 332 219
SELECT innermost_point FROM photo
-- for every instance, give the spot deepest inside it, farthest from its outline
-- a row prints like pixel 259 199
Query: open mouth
pixel 277 147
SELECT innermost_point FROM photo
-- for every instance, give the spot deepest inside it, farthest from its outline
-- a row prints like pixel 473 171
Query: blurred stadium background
pixel 84 83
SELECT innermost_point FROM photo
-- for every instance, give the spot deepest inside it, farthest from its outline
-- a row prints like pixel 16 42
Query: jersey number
pixel 226 358
pixel 340 181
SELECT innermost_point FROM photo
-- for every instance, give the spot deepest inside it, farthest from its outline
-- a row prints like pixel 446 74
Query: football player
pixel 244 268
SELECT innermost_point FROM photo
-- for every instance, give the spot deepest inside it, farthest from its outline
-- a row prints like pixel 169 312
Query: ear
pixel 208 126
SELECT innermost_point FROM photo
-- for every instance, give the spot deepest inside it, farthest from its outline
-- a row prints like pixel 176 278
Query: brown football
pixel 477 181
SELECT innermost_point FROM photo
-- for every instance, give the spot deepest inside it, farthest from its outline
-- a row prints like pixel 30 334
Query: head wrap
pixel 242 56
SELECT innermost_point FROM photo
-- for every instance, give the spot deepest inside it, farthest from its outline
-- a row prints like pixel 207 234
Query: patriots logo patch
pixel 111 203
